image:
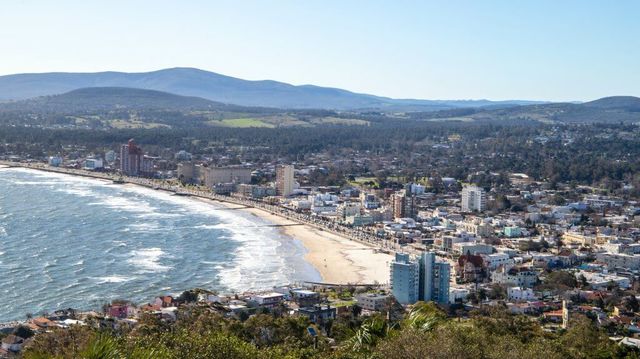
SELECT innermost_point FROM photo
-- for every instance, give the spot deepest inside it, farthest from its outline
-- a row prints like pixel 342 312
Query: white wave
pixel 125 204
pixel 78 191
pixel 113 279
pixel 146 227
pixel 210 226
pixel 148 260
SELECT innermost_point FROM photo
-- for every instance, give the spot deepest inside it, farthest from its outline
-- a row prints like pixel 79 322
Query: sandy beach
pixel 338 259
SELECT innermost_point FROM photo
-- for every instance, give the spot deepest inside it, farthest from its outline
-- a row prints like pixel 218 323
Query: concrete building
pixel 520 294
pixel 434 279
pixel 619 260
pixel 130 159
pixel 285 182
pixel 372 301
pixel 422 279
pixel 473 199
pixel 217 175
pixel 55 161
pixel 600 281
pixel 515 276
pixel 93 164
pixel 405 276
pixel 403 204
pixel 268 299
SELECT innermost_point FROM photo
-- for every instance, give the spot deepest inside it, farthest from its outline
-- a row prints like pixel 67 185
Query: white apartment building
pixel 473 199
pixel 285 182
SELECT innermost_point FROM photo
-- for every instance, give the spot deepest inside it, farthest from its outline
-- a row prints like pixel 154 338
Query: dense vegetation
pixel 607 154
pixel 425 332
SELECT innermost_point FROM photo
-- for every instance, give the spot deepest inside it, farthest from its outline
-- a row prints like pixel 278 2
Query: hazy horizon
pixel 496 50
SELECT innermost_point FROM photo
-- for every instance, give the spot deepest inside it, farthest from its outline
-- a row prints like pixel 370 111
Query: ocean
pixel 75 242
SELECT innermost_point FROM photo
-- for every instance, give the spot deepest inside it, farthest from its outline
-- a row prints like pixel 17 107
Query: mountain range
pixel 225 89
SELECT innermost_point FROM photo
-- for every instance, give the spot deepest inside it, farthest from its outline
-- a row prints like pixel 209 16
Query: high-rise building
pixel 434 279
pixel 405 275
pixel 284 180
pixel 403 204
pixel 421 279
pixel 131 158
pixel 473 199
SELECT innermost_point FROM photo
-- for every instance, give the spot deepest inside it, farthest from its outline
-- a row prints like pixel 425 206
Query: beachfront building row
pixel 422 278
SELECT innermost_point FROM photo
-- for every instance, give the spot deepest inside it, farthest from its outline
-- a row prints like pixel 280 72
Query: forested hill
pixel 604 110
pixel 95 99
pixel 221 88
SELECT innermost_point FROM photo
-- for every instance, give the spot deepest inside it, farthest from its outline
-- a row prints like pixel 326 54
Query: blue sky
pixel 540 50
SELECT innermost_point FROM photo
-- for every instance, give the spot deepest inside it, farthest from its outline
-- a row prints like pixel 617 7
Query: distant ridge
pixel 110 98
pixel 607 109
pixel 224 89
pixel 628 103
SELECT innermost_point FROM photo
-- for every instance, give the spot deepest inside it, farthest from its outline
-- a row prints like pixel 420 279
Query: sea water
pixel 75 242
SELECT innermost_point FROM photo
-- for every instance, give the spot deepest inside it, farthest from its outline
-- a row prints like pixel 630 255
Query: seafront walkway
pixel 355 234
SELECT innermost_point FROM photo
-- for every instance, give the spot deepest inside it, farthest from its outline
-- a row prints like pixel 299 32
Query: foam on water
pixel 103 241
pixel 113 279
pixel 148 260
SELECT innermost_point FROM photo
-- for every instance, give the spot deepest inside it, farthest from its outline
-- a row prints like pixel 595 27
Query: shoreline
pixel 338 259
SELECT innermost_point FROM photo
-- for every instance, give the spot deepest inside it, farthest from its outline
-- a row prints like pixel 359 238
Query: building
pixel 601 281
pixel 422 279
pixel 93 164
pixel 305 298
pixel 373 301
pixel 403 204
pixel 520 294
pixel 619 260
pixel 131 159
pixel 405 276
pixel 285 182
pixel 55 161
pixel 434 279
pixel 268 299
pixel 515 276
pixel 217 175
pixel 475 226
pixel 474 199
pixel 255 191
pixel 188 172
pixel 318 314
pixel 512 231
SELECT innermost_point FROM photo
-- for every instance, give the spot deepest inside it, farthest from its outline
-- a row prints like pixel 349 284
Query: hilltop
pixel 110 98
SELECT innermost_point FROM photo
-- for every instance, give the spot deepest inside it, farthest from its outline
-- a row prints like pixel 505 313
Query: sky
pixel 556 50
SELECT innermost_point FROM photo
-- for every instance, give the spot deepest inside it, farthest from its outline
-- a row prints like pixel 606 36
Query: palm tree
pixel 425 316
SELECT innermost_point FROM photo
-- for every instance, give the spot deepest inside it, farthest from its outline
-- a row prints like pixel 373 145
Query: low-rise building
pixel 373 301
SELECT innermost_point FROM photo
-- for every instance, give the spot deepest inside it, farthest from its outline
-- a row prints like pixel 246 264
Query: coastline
pixel 338 259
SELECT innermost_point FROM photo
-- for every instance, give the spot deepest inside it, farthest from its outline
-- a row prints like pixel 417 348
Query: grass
pixel 241 122
pixel 344 303
pixel 122 124
pixel 341 121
